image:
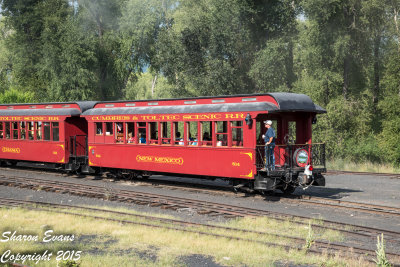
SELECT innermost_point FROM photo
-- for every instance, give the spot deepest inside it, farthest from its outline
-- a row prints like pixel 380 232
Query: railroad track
pixel 319 246
pixel 175 203
pixel 310 200
pixel 390 175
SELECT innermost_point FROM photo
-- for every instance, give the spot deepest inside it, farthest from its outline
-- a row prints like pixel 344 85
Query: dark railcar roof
pixel 296 102
pixel 287 102
pixel 43 111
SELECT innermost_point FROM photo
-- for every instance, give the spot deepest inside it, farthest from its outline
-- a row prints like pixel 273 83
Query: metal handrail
pixel 284 155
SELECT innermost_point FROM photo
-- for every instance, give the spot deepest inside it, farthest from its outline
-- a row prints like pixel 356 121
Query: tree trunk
pixel 396 24
pixel 153 85
pixel 375 93
pixel 346 70
pixel 290 76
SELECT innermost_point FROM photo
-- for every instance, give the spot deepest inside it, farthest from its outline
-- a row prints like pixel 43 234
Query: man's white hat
pixel 268 122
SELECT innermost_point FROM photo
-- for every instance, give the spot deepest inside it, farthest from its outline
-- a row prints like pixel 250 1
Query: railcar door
pixel 76 132
pixel 280 128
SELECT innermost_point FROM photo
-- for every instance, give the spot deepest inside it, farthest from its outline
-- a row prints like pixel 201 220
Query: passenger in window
pixel 130 138
pixel 99 131
pixel 178 139
pixel 193 140
pixel 219 142
pixel 142 138
pixel 206 137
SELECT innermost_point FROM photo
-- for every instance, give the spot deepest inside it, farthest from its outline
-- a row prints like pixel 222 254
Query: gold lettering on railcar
pixel 175 117
pixel 15 150
pixel 29 118
pixel 111 118
pixel 236 116
pixel 202 117
pixel 162 160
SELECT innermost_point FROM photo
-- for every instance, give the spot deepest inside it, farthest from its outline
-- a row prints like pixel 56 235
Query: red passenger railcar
pixel 209 137
pixel 49 133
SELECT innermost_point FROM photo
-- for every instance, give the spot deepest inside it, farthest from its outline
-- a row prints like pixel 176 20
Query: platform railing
pixel 78 146
pixel 285 155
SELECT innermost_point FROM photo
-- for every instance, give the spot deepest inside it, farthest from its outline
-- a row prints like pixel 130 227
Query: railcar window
pixel 153 130
pixel 15 130
pixel 192 133
pixel 165 132
pixel 1 130
pixel 206 134
pixel 237 133
pixel 130 132
pixel 7 127
pixel 22 130
pixel 292 131
pixel 141 132
pixel 179 133
pixel 119 132
pixel 221 133
pixel 46 131
pixel 99 128
pixel 31 132
pixel 54 126
pixel 38 127
pixel 109 128
pixel 260 132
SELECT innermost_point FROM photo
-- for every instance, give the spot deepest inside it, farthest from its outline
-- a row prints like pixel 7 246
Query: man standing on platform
pixel 269 139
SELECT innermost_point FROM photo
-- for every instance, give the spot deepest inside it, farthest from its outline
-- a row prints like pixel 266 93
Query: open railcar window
pixel 179 133
pixel 14 130
pixel 141 126
pixel 31 132
pixel 165 132
pixel 237 133
pixel 99 128
pixel 7 127
pixel 119 132
pixel 22 130
pixel 221 131
pixel 206 133
pixel 192 133
pixel 130 132
pixel 153 130
pixel 109 128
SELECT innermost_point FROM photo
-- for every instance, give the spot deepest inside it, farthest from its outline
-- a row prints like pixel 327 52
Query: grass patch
pixel 345 165
pixel 105 243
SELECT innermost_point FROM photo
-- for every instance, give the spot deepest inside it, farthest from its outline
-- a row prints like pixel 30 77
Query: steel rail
pixel 202 207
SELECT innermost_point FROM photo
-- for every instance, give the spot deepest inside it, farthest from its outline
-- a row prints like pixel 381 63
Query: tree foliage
pixel 344 54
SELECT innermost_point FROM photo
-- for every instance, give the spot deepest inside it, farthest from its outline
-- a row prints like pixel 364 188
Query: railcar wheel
pixel 12 163
pixel 128 175
pixel 289 189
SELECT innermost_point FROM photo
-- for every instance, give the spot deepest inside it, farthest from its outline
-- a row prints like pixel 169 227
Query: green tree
pixel 99 19
pixel 24 17
pixel 5 57
pixel 148 86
